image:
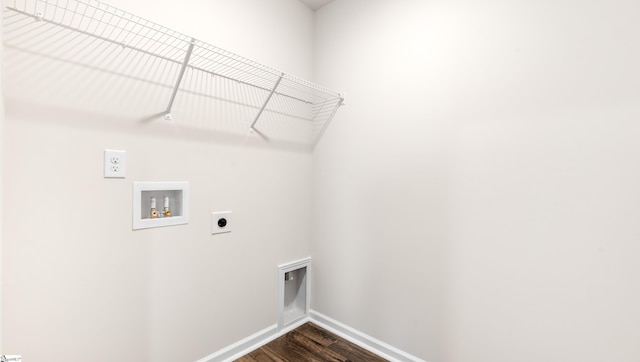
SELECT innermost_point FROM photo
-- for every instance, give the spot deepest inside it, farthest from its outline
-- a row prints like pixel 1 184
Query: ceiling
pixel 316 4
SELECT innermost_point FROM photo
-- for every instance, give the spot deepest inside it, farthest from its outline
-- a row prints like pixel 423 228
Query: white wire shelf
pixel 96 36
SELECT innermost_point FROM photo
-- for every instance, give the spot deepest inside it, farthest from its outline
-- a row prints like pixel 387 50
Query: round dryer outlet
pixel 221 222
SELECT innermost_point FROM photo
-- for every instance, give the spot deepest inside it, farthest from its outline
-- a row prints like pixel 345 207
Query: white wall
pixel 78 283
pixel 476 199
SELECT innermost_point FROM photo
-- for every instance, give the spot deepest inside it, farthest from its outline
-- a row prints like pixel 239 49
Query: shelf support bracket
pixel 251 129
pixel 167 113
pixel 326 123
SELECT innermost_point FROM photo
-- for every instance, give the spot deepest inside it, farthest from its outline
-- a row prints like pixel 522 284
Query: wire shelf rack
pixel 94 35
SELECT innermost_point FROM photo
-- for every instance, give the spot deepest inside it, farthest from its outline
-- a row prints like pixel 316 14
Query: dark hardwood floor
pixel 310 343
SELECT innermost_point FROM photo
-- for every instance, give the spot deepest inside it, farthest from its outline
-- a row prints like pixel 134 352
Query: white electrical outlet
pixel 115 163
pixel 221 222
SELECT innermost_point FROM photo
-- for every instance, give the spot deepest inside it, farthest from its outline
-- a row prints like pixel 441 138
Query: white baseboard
pixel 270 333
pixel 250 343
pixel 365 341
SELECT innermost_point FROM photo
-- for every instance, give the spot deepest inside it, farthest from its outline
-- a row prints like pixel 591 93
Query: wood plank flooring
pixel 310 343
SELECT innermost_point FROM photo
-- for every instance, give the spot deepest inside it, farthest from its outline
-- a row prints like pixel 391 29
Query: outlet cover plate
pixel 221 222
pixel 115 163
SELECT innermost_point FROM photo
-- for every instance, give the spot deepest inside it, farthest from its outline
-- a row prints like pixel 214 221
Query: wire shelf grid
pixel 97 35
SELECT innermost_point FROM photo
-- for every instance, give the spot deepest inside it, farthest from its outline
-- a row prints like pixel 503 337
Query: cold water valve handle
pixel 167 212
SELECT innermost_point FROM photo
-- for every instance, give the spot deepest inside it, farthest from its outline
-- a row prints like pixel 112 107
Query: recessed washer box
pixel 158 204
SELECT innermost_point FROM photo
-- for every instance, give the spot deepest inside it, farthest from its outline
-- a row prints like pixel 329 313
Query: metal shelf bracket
pixel 251 128
pixel 187 56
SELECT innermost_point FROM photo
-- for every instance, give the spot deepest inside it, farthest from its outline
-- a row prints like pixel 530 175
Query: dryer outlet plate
pixel 221 222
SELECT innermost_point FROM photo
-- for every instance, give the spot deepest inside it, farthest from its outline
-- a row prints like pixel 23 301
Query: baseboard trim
pixel 251 343
pixel 367 342
pixel 270 333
